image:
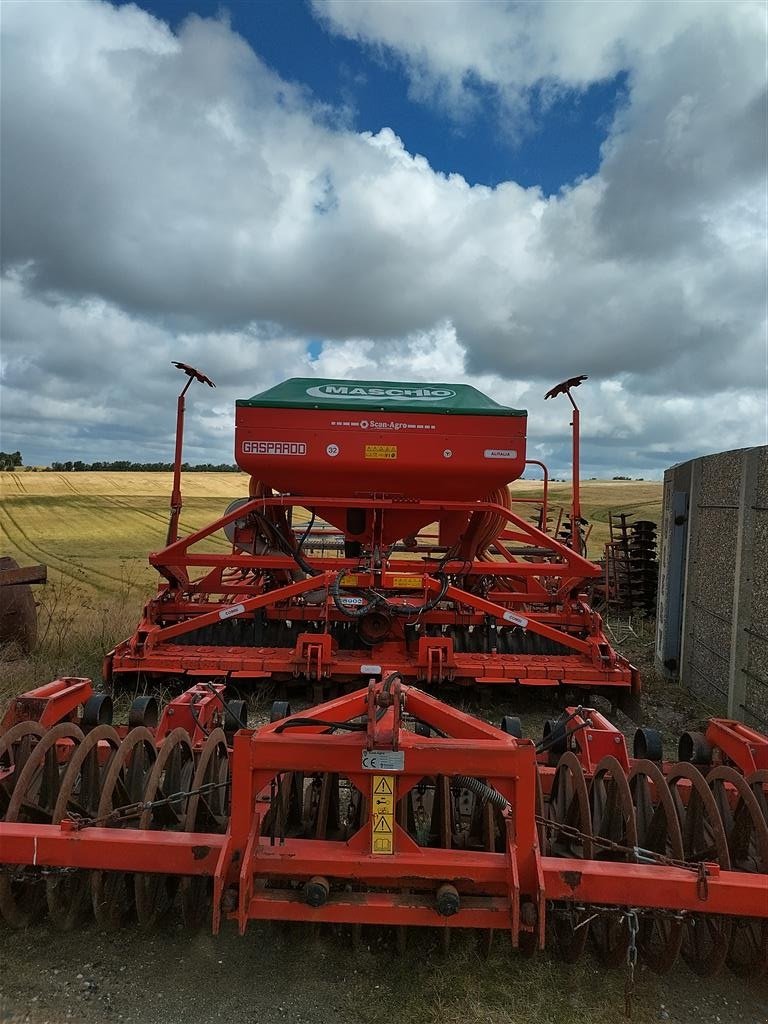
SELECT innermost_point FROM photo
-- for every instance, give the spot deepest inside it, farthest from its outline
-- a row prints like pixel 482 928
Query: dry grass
pixel 75 629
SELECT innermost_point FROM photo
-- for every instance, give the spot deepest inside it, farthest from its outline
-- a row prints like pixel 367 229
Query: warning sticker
pixel 382 814
pixel 381 451
pixel 408 582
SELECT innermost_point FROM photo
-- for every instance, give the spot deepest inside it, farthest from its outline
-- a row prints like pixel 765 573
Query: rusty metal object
pixel 18 611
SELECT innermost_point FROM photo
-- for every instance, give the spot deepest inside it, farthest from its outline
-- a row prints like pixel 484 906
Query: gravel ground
pixel 285 975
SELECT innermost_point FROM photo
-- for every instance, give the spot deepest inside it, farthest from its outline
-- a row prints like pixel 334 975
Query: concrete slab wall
pixel 712 616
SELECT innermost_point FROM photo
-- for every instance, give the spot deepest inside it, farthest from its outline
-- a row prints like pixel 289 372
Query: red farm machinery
pixel 379 529
pixel 365 564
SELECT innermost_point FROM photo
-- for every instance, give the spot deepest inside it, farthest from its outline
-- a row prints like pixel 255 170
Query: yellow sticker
pixel 383 803
pixel 381 451
pixel 408 582
pixel 382 814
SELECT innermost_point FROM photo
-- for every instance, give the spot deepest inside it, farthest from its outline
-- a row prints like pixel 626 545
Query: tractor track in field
pixel 154 516
pixel 58 562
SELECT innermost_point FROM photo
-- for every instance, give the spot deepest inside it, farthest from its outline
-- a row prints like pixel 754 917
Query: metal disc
pixel 171 773
pixel 208 812
pixel 124 784
pixel 613 818
pixel 569 805
pixel 747 833
pixel 22 898
pixel 707 937
pixel 80 793
pixel 658 830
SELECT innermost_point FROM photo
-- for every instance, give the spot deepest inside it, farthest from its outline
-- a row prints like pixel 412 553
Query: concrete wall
pixel 712 616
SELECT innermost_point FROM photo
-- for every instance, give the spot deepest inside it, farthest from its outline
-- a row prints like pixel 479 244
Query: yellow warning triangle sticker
pixel 382 824
pixel 384 785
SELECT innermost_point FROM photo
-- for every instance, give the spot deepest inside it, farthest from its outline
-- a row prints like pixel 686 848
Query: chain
pixel 637 852
pixel 135 810
pixel 629 986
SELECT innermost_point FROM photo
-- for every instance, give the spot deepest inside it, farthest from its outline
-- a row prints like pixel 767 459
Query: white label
pixel 447 454
pixel 499 453
pixel 372 394
pixel 370 670
pixel 274 448
pixel 518 620
pixel 352 600
pixel 332 450
pixel 231 611
pixel 384 760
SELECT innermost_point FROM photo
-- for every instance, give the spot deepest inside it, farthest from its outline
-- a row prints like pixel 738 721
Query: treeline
pixel 10 460
pixel 122 466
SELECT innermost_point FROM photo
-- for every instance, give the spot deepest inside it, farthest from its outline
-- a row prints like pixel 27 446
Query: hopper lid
pixel 378 396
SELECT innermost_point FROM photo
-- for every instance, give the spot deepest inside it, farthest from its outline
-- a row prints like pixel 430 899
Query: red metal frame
pixel 198 710
pixel 256 877
pixel 541 594
pixel 57 701
pixel 745 747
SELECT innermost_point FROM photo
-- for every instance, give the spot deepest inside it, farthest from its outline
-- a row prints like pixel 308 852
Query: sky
pixel 503 194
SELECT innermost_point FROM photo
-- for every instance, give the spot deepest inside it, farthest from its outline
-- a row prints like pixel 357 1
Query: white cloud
pixel 169 196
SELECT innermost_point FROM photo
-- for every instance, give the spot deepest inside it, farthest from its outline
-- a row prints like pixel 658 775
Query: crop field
pixel 95 529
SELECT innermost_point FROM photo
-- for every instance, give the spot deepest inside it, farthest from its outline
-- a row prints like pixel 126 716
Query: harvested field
pixel 95 529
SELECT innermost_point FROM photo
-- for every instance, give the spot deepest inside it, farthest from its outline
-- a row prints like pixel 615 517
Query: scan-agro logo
pixel 356 393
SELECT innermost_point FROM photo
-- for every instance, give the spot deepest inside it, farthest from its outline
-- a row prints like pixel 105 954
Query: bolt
pixel 447 900
pixel 316 891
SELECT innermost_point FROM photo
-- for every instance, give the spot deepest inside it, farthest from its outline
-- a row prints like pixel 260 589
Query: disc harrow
pixel 386 807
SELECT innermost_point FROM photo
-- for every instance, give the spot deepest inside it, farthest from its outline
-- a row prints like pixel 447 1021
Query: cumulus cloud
pixel 169 196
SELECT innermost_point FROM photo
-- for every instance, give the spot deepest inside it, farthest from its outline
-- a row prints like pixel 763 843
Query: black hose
pixel 306 532
pixel 292 723
pixel 286 547
pixel 486 793
pixel 335 592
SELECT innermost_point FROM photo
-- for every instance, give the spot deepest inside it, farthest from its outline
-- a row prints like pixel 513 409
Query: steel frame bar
pixel 189 853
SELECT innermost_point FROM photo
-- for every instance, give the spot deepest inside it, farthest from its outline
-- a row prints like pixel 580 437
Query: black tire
pixel 97 710
pixel 694 748
pixel 280 709
pixel 235 716
pixel 648 745
pixel 422 729
pixel 143 711
pixel 512 726
pixel 555 736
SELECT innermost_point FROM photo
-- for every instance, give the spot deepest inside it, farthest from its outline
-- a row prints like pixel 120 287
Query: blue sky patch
pixel 559 144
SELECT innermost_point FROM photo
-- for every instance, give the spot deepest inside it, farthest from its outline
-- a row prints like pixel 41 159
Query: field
pixel 96 528
pixel 94 531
